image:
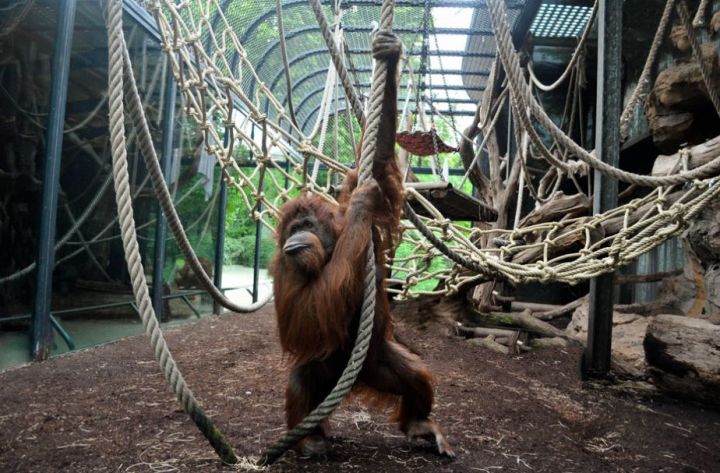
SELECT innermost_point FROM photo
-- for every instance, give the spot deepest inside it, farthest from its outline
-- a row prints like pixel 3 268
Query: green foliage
pixel 240 228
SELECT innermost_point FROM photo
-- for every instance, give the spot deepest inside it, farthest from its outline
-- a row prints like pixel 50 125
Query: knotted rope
pixel 123 199
pixel 367 311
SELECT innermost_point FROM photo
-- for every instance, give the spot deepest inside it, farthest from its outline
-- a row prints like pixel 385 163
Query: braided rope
pixel 75 227
pixel 536 252
pixel 130 244
pixel 12 21
pixel 697 52
pixel 162 193
pixel 699 20
pixel 355 102
pixel 523 99
pixel 367 311
pixel 644 80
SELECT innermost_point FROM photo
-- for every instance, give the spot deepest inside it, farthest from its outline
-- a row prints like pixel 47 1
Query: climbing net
pixel 229 100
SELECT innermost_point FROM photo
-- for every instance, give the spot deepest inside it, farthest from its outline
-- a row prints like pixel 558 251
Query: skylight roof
pixel 560 21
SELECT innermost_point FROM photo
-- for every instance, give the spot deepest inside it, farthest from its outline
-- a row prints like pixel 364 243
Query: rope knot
pixel 305 146
pixel 678 216
pixel 547 272
pixel 577 167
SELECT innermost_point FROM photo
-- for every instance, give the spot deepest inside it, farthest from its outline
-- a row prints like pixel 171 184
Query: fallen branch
pixel 486 331
pixel 561 310
pixel 522 320
pixel 489 343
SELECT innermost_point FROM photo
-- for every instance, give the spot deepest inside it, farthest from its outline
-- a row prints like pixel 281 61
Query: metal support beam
pixel 258 226
pixel 427 110
pixel 220 240
pixel 367 51
pixel 256 259
pixel 168 123
pixel 596 359
pixel 41 342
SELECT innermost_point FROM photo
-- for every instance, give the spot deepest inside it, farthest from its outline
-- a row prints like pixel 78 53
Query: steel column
pixel 596 359
pixel 258 225
pixel 168 121
pixel 41 336
pixel 256 259
pixel 220 240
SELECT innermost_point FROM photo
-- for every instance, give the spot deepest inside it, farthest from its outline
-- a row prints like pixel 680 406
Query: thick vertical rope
pixel 129 237
pixel 697 52
pixel 367 312
pixel 162 192
pixel 699 20
pixel 286 64
pixel 350 93
pixel 644 79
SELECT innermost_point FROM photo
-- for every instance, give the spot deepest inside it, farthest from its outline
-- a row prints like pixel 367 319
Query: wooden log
pixel 549 342
pixel 683 355
pixel 485 331
pixel 660 306
pixel 519 306
pixel 559 207
pixel 573 237
pixel 697 156
pixel 489 343
pixel 560 310
pixel 522 320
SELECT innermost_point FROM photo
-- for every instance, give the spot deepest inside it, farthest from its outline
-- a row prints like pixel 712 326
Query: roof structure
pixel 440 37
pixel 548 19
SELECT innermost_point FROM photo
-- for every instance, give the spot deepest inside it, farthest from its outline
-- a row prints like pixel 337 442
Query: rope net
pixel 226 59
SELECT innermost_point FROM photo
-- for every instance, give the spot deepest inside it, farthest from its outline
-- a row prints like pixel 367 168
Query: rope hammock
pixel 200 50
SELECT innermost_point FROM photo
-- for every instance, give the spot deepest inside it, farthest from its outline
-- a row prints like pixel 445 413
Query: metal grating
pixel 560 21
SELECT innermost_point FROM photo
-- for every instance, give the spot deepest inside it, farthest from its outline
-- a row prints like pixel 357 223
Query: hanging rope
pixel 174 378
pixel 350 93
pixel 699 20
pixel 523 99
pixel 644 80
pixel 162 193
pixel 286 64
pixel 697 52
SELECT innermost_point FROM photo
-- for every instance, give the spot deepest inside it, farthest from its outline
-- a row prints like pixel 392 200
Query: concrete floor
pixel 92 329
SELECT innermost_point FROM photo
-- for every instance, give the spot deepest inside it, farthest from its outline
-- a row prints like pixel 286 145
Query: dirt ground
pixel 108 409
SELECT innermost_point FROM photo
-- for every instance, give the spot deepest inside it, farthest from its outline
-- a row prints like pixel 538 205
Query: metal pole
pixel 168 121
pixel 596 359
pixel 258 226
pixel 220 240
pixel 41 336
pixel 256 261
